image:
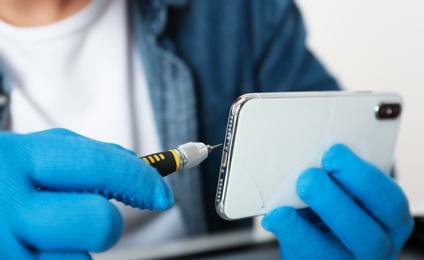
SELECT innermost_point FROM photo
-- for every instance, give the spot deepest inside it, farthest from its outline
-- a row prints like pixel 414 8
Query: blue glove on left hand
pixel 54 191
pixel 356 212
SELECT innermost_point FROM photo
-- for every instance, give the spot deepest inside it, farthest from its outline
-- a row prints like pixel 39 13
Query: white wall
pixel 378 45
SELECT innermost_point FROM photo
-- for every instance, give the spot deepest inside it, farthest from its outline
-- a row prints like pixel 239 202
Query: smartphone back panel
pixel 273 137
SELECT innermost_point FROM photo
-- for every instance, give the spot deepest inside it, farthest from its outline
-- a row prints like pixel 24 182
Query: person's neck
pixel 28 13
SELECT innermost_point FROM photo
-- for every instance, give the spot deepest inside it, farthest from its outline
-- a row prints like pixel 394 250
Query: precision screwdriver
pixel 184 156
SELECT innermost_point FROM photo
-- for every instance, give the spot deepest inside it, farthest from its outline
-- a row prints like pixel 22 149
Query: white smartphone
pixel 272 138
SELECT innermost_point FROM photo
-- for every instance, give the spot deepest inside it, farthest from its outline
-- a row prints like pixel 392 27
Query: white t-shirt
pixel 83 73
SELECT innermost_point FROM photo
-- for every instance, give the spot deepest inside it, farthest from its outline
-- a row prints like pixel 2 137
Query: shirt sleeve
pixel 283 61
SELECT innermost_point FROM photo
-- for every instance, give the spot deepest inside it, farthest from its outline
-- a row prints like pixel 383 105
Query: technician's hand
pixel 373 225
pixel 54 190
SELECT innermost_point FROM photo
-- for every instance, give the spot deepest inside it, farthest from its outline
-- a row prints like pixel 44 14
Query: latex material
pixel 54 191
pixel 356 212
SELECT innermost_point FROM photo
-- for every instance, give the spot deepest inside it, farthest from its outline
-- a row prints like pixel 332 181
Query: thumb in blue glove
pixel 55 186
pixel 356 212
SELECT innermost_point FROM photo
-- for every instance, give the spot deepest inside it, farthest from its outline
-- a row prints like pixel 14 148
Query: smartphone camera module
pixel 388 111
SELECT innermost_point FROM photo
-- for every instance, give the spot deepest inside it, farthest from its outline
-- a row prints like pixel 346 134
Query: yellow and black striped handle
pixel 165 162
pixel 184 156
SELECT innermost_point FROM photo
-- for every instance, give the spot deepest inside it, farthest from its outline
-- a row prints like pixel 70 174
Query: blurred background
pixel 378 45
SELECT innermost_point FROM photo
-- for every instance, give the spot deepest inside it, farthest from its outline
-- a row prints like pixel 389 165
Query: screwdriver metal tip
pixel 210 148
pixel 215 146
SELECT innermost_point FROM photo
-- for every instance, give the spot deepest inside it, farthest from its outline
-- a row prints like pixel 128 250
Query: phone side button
pixel 224 159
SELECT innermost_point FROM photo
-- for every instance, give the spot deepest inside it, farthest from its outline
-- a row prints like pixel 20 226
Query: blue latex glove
pixel 356 212
pixel 54 191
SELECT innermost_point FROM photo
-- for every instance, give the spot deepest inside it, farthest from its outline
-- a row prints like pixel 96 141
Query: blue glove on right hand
pixel 356 212
pixel 54 190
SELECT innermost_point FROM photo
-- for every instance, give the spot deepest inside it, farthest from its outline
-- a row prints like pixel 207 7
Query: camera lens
pixel 388 111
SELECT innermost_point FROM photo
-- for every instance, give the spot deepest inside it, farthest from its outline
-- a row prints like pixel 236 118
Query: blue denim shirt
pixel 199 56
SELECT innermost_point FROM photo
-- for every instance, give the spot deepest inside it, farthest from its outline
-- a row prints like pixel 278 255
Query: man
pixel 149 75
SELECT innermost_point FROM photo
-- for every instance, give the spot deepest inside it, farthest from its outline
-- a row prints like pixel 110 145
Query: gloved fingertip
pixel 165 204
pixel 308 181
pixel 273 220
pixel 406 230
pixel 338 149
pixel 333 155
pixel 111 231
pixel 165 200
